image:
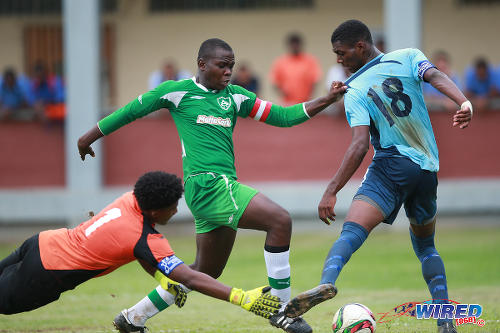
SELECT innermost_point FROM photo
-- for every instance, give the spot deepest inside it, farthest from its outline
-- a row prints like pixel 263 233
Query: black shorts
pixel 24 283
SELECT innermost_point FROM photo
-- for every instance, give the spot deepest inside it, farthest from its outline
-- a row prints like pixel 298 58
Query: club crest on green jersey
pixel 224 102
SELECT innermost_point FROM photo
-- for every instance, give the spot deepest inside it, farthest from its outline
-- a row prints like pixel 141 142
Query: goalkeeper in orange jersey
pixel 54 261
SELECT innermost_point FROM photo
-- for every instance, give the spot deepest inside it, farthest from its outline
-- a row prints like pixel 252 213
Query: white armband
pixel 468 104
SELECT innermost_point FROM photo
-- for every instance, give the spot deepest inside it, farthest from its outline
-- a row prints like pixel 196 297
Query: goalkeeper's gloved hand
pixel 257 300
pixel 176 289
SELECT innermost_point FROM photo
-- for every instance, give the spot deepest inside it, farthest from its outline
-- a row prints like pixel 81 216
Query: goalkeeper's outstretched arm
pixel 258 300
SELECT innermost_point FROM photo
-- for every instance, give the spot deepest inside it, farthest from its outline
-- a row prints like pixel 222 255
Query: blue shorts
pixel 391 181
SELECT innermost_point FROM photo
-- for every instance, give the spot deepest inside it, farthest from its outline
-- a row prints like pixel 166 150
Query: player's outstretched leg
pixel 134 318
pixel 351 238
pixel 263 214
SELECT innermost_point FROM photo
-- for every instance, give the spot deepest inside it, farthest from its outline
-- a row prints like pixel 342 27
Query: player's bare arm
pixel 86 140
pixel 337 90
pixel 257 300
pixel 445 85
pixel 147 267
pixel 352 159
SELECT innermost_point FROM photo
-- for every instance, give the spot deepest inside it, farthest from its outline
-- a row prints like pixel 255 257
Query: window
pixel 43 45
pixel 187 5
pixel 44 7
pixel 477 2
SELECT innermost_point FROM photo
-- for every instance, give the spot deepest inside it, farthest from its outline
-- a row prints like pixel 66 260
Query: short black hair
pixel 157 190
pixel 9 71
pixel 481 62
pixel 207 48
pixel 294 37
pixel 352 31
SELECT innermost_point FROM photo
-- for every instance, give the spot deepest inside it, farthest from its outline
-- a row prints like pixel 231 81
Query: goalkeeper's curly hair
pixel 157 190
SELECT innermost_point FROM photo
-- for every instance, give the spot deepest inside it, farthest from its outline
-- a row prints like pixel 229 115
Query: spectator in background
pixel 168 71
pixel 13 99
pixel 434 99
pixel 244 77
pixel 56 81
pixel 296 73
pixel 480 84
pixel 55 110
pixel 42 90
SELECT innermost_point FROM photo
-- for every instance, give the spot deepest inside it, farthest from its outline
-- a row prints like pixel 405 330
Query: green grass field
pixel 382 274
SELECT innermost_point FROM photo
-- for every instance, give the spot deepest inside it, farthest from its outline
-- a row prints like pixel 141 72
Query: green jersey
pixel 205 120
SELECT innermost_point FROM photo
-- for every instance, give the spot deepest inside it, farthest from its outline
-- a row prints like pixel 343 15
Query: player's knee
pixel 282 223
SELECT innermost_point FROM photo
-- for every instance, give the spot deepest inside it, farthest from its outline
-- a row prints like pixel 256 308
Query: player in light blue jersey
pixel 384 102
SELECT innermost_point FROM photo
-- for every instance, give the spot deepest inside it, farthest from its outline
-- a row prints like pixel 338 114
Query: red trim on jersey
pixel 255 107
pixel 266 112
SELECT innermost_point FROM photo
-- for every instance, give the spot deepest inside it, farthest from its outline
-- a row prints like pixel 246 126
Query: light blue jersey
pixel 386 95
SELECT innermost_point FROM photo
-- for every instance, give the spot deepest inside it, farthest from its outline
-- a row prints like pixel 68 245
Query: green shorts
pixel 216 200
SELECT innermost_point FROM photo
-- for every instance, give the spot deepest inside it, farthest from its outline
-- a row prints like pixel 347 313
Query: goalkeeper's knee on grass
pixel 258 300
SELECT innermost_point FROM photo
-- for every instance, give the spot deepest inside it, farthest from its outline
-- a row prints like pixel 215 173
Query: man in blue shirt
pixel 12 96
pixel 384 102
pixel 481 83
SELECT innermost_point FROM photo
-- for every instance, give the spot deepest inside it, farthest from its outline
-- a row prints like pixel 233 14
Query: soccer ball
pixel 352 318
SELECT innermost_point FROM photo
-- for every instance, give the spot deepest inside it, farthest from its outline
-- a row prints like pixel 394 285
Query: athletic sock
pixel 278 271
pixel 157 300
pixel 351 238
pixel 432 269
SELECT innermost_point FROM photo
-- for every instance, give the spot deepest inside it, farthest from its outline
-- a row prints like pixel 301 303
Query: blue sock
pixel 432 269
pixel 351 238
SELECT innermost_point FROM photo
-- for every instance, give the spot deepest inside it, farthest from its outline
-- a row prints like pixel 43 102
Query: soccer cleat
pixel 123 325
pixel 447 328
pixel 290 325
pixel 305 301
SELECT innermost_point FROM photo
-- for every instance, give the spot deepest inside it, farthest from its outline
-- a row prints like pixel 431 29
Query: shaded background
pixel 42 179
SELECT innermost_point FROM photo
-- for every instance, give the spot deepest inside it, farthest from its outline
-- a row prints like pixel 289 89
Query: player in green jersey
pixel 205 109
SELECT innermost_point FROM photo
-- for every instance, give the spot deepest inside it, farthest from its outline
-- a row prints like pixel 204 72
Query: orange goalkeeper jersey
pixel 114 237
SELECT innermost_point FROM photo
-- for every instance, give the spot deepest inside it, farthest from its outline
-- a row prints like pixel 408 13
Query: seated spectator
pixel 480 84
pixel 244 77
pixel 56 81
pixel 56 109
pixel 434 99
pixel 168 71
pixel 13 99
pixel 42 90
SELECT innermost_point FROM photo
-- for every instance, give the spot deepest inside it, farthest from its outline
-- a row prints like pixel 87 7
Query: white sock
pixel 157 300
pixel 278 273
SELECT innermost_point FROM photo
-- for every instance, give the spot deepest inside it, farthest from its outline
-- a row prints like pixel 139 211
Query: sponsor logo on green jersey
pixel 202 119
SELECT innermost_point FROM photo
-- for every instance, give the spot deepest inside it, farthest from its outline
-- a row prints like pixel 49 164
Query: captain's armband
pixel 168 264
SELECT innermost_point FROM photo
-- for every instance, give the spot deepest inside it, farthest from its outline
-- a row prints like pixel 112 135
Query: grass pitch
pixel 383 274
